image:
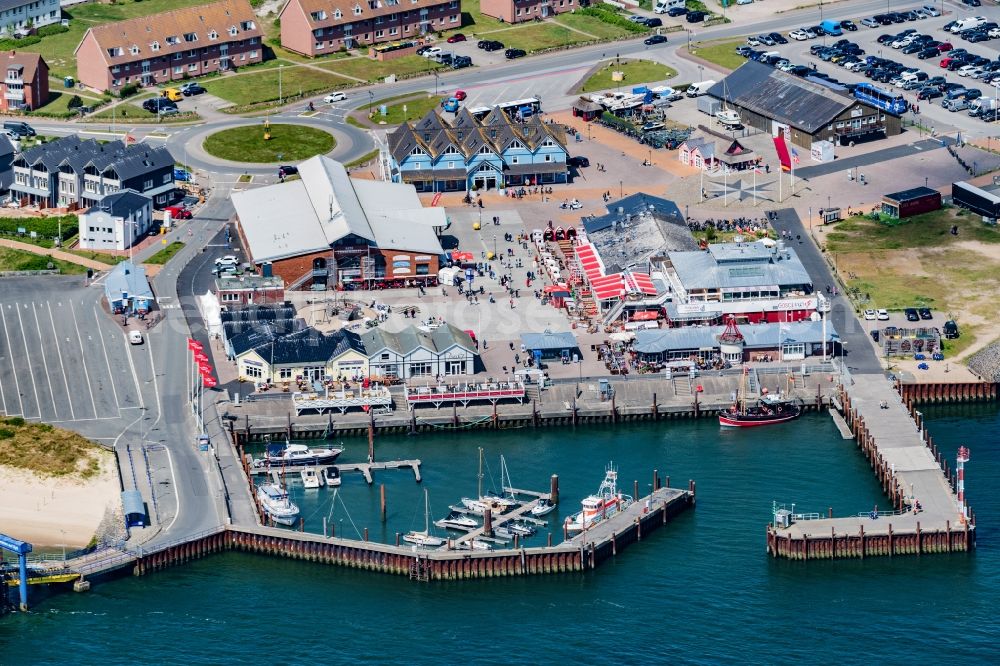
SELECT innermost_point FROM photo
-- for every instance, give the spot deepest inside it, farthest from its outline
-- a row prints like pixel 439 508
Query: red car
pixel 460 95
pixel 457 37
pixel 944 47
pixel 178 212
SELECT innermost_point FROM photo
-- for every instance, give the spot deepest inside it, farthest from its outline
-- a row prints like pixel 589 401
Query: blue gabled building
pixel 127 289
pixel 469 153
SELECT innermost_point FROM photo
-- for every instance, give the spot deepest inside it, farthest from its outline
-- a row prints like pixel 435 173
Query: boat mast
pixel 480 487
pixel 427 513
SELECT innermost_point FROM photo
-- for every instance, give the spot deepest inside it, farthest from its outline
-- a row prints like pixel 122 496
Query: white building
pixel 116 222
pixel 412 352
pixel 22 14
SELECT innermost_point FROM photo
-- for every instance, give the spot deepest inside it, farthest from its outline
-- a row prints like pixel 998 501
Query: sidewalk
pixel 55 254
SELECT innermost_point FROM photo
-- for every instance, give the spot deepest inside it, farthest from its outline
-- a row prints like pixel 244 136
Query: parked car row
pixel 445 57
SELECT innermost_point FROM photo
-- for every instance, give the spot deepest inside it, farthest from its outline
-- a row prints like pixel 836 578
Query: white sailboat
pixel 425 538
pixel 481 502
pixel 275 503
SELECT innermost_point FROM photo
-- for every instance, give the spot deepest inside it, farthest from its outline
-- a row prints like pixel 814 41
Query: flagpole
pixel 701 195
pixel 755 186
pixel 725 187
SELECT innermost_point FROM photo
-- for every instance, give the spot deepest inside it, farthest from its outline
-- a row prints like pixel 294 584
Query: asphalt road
pixel 859 356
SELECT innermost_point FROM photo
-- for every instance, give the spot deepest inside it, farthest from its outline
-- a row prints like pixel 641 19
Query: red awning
pixel 462 256
pixel 648 315
pixel 640 283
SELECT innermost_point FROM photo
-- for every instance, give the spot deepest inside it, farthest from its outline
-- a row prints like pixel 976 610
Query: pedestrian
pixel 484 344
pixel 512 346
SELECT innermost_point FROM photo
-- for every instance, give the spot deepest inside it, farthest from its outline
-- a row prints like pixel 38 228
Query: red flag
pixel 782 149
pixel 194 345
pixel 208 382
pixel 200 357
pixel 205 369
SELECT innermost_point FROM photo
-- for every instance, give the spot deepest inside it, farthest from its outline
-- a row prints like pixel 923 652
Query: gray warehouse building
pixel 768 99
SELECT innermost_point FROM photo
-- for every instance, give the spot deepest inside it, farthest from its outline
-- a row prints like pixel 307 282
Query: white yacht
pixel 275 503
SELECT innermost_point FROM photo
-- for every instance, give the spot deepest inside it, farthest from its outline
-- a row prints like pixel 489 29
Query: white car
pixel 433 52
pixel 931 11
pixel 135 337
pixel 637 18
pixel 993 33
pixel 798 35
pixel 335 97
pixel 753 41
pixel 870 315
pixel 966 70
pixel 743 2
pixel 869 23
pixel 883 315
pixel 228 259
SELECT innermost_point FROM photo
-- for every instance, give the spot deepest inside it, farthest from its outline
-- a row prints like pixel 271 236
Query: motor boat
pixel 542 507
pixel 310 479
pixel 521 529
pixel 729 118
pixel 457 521
pixel 276 505
pixel 768 410
pixel 606 502
pixel 300 454
pixel 331 476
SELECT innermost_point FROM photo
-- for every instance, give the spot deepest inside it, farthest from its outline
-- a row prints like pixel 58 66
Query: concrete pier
pixel 890 433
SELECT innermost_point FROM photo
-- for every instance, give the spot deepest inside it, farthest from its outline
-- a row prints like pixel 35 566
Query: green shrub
pixel 128 90
pixel 6 433
pixel 15 421
pixel 75 102
pixel 54 29
pixel 44 227
pixel 612 18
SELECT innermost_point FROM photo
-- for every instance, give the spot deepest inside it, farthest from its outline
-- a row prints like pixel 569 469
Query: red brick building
pixel 25 83
pixel 327 230
pixel 516 11
pixel 170 46
pixel 316 27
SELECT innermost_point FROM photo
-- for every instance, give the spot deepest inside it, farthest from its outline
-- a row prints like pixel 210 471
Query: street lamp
pixel 495 246
pixel 621 189
pixel 371 99
pixel 701 73
pixel 281 97
pixel 436 80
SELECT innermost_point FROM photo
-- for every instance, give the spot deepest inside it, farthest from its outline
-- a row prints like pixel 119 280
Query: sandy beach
pixel 54 511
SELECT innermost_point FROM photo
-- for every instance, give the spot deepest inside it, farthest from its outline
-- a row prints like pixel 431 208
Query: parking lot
pixel 62 359
pixel 931 114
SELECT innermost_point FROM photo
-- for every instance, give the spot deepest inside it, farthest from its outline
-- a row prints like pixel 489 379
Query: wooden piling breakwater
pixel 583 552
pixel 924 516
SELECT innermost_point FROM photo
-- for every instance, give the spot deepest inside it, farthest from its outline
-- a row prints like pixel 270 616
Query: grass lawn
pixel 474 21
pixel 103 257
pixel 58 106
pixel 20 260
pixel 166 254
pixel 416 108
pixel 261 85
pixel 367 69
pixel 919 263
pixel 288 143
pixel 592 25
pixel 536 36
pixel 721 53
pixel 50 451
pixel 128 112
pixel 364 159
pixel 636 72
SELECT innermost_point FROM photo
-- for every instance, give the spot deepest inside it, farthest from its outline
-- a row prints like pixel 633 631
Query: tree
pixel 74 102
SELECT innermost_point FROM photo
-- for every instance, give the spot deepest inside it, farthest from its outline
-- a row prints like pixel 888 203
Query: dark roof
pixel 242 336
pixel 781 96
pixel 911 194
pixel 123 204
pixel 309 346
pixel 258 313
pixel 634 204
pixel 127 161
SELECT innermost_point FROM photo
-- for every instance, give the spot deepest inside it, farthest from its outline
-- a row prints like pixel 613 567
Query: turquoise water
pixel 701 590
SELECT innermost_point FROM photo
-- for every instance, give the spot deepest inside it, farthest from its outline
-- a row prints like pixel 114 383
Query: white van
pixel 699 88
pixel 967 24
pixel 664 6
pixel 135 337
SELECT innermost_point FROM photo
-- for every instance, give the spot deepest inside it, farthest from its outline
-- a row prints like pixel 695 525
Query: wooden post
pixel 574 411
pixel 381 492
pixel 697 408
pixel 371 437
pixel 635 490
pixel 487 522
pixel 496 418
pixel 324 527
pixel 656 408
pixel 549 543
pixel 397 539
pixel 366 534
pixel 656 480
pixel 829 512
pixel 554 489
pixel 302 524
pixel 288 432
pixel 413 420
pixel 691 489
pixel 454 414
pixel 614 411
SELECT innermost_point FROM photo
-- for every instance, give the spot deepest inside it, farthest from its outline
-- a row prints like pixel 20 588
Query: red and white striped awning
pixel 640 283
pixel 608 287
pixel 590 262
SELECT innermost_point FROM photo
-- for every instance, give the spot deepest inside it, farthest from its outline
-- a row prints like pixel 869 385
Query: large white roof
pixel 325 205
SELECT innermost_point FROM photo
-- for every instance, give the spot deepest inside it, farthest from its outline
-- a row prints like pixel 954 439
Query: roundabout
pixel 268 143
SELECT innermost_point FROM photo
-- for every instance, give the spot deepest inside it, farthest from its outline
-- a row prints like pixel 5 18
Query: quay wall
pixel 576 555
pixel 949 392
pixel 862 545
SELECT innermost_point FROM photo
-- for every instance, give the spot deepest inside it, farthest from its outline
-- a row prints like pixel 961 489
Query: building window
pixel 548 158
pixel 284 373
pixel 385 357
pixel 252 372
pixel 167 178
pixel 420 369
pixel 423 269
pixel 148 184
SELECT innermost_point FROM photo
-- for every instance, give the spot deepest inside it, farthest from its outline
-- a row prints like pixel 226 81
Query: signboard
pixel 253 364
pixel 14 545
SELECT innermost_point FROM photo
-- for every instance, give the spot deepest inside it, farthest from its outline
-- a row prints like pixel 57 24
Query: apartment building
pixel 172 45
pixel 73 173
pixel 316 27
pixel 26 81
pixel 17 16
pixel 516 11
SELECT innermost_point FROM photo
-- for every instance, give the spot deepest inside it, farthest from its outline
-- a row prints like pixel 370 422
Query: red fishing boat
pixel 766 410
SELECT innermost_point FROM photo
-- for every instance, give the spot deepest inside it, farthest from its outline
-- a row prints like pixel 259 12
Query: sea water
pixel 700 590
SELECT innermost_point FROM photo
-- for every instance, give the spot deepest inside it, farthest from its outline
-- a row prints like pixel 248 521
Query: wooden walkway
pixel 366 469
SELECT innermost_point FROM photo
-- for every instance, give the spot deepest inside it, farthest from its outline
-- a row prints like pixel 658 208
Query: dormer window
pixel 357 10
pixel 416 151
pixel 155 46
pixel 337 14
pixel 233 31
pixel 451 150
pixel 248 25
pixel 171 40
pixel 373 4
pixel 319 16
pixel 485 150
pixel 134 50
pixel 213 35
pixel 115 51
pixel 548 143
pixel 190 37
